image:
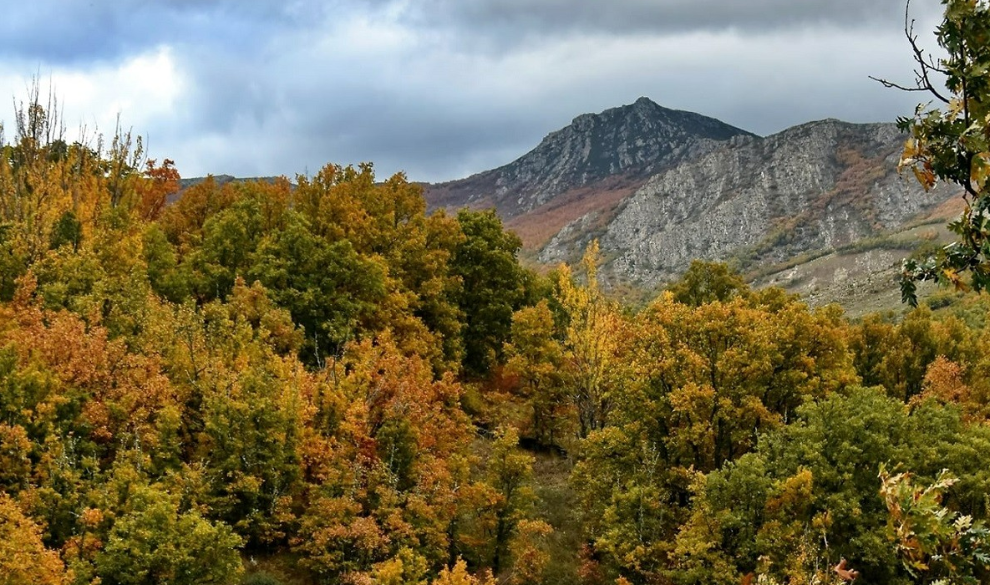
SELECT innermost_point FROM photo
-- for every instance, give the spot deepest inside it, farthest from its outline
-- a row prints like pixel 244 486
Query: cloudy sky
pixel 441 88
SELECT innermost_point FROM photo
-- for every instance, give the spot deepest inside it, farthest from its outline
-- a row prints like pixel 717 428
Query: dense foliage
pixel 255 369
pixel 323 372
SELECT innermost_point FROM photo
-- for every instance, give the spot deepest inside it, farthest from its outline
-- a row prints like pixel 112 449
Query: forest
pixel 318 382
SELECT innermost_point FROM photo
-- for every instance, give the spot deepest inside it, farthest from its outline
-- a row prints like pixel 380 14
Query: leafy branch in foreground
pixel 936 545
pixel 951 142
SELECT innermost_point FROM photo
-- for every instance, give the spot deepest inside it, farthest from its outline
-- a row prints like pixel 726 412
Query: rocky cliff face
pixel 818 186
pixel 630 142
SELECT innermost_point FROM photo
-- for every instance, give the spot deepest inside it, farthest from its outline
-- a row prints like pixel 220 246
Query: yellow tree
pixel 593 344
pixel 705 380
pixel 536 358
pixel 530 552
pixel 23 557
pixel 459 575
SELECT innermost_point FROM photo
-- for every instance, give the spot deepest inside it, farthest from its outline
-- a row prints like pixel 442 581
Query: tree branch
pixel 926 65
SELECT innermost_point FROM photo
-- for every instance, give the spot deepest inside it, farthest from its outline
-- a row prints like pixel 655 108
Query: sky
pixel 440 89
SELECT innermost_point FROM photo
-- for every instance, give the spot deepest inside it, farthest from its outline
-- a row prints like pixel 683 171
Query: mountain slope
pixel 760 201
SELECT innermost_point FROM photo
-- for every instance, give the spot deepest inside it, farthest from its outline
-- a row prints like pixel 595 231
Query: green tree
pixel 156 542
pixel 706 282
pixel 165 276
pixel 330 290
pixel 493 286
pixel 66 232
pixel 230 239
pixel 509 495
pixel 811 487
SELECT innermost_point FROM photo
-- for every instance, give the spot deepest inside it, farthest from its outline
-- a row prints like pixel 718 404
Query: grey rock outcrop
pixel 812 187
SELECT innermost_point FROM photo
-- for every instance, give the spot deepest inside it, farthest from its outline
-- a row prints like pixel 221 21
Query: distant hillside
pixel 220 181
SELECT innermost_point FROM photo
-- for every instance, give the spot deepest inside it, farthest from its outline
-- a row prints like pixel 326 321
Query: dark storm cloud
pixel 511 19
pixel 74 31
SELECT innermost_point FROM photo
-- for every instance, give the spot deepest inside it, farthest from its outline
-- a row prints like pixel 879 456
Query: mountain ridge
pixel 805 191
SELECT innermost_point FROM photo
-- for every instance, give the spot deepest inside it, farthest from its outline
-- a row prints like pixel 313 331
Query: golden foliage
pixel 23 557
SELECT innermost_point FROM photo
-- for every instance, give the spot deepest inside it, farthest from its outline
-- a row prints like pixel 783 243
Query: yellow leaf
pixel 925 176
pixel 956 280
pixel 955 107
pixel 980 170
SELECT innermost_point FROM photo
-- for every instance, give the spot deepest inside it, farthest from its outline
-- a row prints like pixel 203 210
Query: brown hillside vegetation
pixel 536 227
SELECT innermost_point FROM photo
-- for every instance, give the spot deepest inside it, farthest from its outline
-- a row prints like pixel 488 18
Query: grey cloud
pixel 52 32
pixel 79 31
pixel 291 116
pixel 287 125
pixel 539 18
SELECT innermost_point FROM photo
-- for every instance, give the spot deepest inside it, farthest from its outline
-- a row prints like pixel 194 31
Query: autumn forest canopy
pixel 317 381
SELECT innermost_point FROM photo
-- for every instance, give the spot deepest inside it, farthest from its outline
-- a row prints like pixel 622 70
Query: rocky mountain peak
pixel 630 143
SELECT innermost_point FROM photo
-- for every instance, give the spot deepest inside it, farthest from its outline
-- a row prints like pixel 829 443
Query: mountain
pixel 819 208
pixel 221 180
pixel 587 166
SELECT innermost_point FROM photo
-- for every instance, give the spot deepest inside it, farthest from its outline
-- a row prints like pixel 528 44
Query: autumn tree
pixel 505 501
pixel 389 473
pixel 459 575
pixel 536 357
pixel 23 557
pixel 592 343
pixel 707 282
pixel 897 355
pixel 184 220
pixel 722 371
pixel 153 194
pixel 703 383
pixel 530 552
